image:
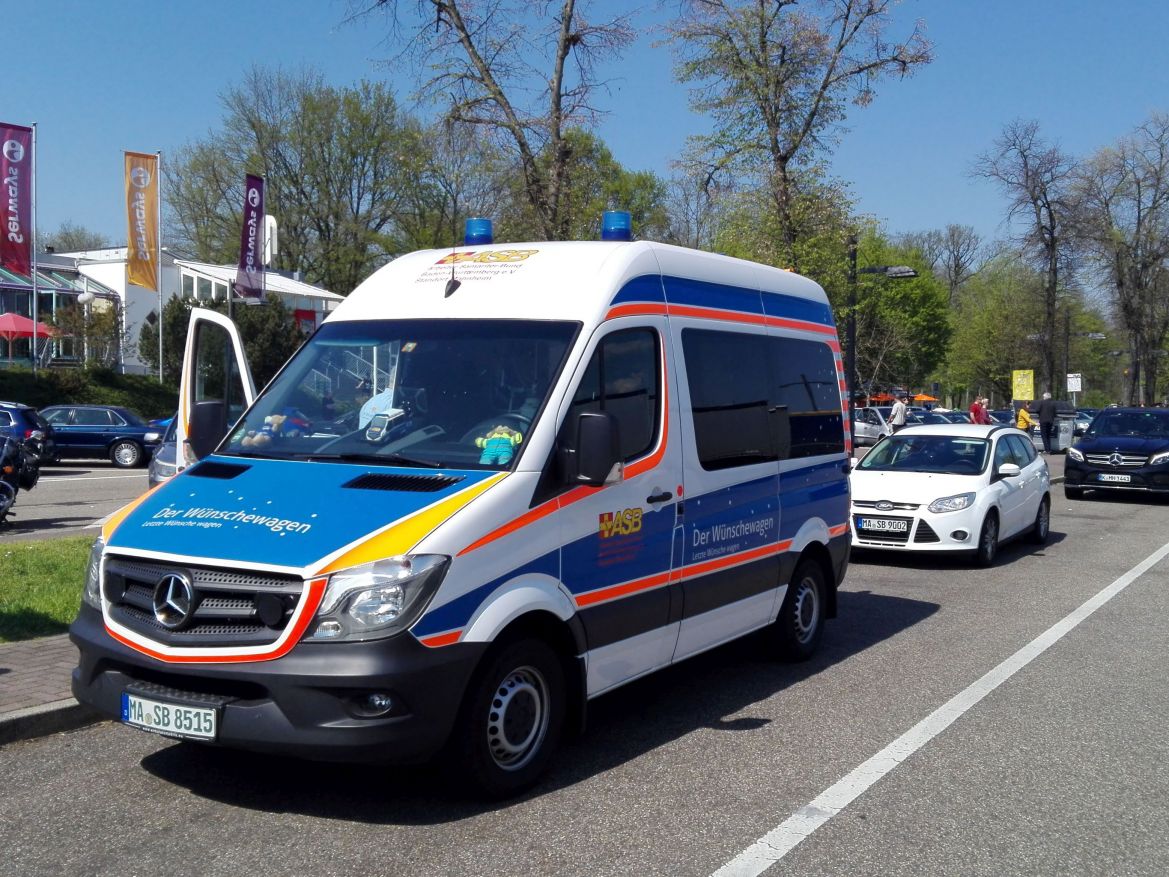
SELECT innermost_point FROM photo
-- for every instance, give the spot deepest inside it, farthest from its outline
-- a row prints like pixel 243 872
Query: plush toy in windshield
pixel 273 424
pixel 498 445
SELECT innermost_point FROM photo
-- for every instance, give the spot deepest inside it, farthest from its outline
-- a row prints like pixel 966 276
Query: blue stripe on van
pixel 699 293
pixel 648 287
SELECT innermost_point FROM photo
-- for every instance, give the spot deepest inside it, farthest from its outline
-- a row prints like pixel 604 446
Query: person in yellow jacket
pixel 1023 419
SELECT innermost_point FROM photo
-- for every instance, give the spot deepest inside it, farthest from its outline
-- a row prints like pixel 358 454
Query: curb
pixel 45 719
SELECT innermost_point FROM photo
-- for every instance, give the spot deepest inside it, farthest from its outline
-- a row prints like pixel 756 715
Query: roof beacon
pixel 616 225
pixel 478 231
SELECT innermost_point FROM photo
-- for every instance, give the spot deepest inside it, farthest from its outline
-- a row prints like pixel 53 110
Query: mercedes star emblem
pixel 1116 460
pixel 174 601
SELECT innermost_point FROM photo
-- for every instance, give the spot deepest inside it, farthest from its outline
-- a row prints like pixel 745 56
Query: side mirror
pixel 595 452
pixel 208 427
pixel 1009 470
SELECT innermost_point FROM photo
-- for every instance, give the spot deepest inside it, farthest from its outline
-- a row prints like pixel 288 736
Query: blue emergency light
pixel 478 231
pixel 616 225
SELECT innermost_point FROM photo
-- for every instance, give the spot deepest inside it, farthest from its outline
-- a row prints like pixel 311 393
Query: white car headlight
pixel 91 596
pixel 1158 459
pixel 378 599
pixel 1075 455
pixel 952 503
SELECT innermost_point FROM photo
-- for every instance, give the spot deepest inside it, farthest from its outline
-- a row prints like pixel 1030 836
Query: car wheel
pixel 1073 492
pixel 511 722
pixel 1041 529
pixel 126 454
pixel 801 617
pixel 988 541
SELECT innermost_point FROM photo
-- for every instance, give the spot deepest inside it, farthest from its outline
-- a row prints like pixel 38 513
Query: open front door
pixel 216 387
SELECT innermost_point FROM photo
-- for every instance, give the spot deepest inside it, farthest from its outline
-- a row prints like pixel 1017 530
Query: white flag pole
pixel 35 296
pixel 158 260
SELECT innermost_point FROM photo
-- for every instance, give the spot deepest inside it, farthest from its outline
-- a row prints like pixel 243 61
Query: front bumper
pixel 1151 479
pixel 305 704
pixel 925 531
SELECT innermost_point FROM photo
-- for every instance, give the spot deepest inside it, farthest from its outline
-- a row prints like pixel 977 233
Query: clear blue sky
pixel 102 77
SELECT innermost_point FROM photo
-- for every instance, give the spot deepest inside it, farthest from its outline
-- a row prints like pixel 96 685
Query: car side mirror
pixel 1009 470
pixel 208 427
pixel 593 456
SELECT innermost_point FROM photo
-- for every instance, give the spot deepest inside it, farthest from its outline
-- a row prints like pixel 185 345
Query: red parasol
pixel 13 326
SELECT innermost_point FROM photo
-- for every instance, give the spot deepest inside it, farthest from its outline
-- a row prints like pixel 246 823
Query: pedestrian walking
pixel 900 411
pixel 1023 419
pixel 1046 414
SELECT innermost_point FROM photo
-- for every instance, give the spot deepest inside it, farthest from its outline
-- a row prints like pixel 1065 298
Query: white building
pixel 200 281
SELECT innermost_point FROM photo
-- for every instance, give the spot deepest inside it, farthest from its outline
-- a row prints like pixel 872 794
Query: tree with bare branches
pixel 777 77
pixel 524 73
pixel 1036 177
pixel 952 253
pixel 1122 197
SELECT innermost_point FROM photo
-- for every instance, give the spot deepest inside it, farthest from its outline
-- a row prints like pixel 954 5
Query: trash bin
pixel 1064 431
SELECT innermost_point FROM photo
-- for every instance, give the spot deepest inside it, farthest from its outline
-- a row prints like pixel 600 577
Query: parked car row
pixel 81 431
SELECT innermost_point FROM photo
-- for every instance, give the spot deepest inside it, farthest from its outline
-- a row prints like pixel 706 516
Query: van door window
pixel 727 374
pixel 622 379
pixel 806 384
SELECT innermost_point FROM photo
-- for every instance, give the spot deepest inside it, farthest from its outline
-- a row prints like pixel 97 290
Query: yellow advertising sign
pixel 1023 385
pixel 142 219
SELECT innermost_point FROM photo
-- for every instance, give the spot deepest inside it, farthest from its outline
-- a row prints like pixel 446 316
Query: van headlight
pixel 91 596
pixel 952 503
pixel 378 599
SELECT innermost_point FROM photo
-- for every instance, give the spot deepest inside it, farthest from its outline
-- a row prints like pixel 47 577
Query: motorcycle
pixel 19 470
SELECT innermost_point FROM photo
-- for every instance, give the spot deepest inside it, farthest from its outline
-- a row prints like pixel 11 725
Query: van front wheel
pixel 512 719
pixel 801 618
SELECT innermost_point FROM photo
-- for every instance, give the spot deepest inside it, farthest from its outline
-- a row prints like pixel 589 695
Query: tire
pixel 1073 492
pixel 801 617
pixel 1041 529
pixel 126 454
pixel 512 719
pixel 988 541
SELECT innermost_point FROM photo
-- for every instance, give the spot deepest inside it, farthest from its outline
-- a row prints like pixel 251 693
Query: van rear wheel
pixel 801 617
pixel 512 719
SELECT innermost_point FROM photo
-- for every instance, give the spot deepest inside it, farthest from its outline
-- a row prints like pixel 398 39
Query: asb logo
pixel 622 523
pixel 14 150
pixel 140 177
pixel 254 197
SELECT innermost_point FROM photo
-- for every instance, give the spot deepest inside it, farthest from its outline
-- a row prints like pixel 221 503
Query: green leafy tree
pixel 96 332
pixel 72 238
pixel 776 77
pixel 340 166
pixel 269 332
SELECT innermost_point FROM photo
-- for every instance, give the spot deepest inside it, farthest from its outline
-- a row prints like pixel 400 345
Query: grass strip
pixel 40 586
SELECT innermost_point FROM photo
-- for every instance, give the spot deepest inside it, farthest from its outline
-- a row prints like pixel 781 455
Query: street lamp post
pixel 893 272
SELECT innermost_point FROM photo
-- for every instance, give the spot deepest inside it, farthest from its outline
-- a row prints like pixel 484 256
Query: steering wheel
pixel 517 422
pixel 965 465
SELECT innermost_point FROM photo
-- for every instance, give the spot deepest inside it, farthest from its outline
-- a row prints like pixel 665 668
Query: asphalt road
pixel 1063 768
pixel 71 499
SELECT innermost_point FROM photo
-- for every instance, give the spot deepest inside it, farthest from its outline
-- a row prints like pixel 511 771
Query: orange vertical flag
pixel 142 218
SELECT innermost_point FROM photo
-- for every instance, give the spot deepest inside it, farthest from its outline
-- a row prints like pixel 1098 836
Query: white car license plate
pixel 1119 479
pixel 883 525
pixel 177 720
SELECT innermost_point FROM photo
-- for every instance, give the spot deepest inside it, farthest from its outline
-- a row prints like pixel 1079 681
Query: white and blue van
pixel 495 483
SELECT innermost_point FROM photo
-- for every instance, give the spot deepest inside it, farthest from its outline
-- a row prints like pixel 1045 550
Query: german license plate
pixel 173 719
pixel 1119 479
pixel 883 525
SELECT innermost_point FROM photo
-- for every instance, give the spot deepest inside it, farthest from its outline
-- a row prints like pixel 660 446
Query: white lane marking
pixel 90 477
pixel 782 839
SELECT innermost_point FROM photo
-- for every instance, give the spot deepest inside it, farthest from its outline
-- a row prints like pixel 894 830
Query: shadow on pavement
pixel 927 560
pixel 17 526
pixel 701 692
pixel 20 624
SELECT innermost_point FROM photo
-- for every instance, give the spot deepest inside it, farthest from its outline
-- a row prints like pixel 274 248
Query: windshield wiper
pixel 260 455
pixel 382 459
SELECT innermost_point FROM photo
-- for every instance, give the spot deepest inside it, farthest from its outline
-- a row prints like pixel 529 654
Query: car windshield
pixel 1143 424
pixel 949 455
pixel 436 393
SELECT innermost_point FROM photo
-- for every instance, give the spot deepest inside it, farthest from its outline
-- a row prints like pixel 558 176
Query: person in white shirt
pixel 900 410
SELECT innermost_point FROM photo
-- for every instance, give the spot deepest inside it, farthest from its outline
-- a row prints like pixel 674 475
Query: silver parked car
pixel 869 425
pixel 163 463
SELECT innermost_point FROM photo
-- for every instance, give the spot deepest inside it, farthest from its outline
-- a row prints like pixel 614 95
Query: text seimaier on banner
pixel 16 171
pixel 249 279
pixel 142 218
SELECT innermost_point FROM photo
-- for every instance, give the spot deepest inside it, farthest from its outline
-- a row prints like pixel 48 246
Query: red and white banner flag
pixel 16 173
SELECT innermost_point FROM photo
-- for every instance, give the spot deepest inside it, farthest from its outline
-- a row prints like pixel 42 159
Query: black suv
pixel 1123 449
pixel 25 424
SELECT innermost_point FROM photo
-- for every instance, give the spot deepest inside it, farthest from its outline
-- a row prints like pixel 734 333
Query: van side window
pixel 728 377
pixel 807 384
pixel 622 379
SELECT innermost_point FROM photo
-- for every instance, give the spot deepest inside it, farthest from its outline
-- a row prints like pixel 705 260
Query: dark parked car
pixel 25 424
pixel 103 431
pixel 1124 449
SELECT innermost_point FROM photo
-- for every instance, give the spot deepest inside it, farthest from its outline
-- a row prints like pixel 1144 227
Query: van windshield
pixel 432 393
